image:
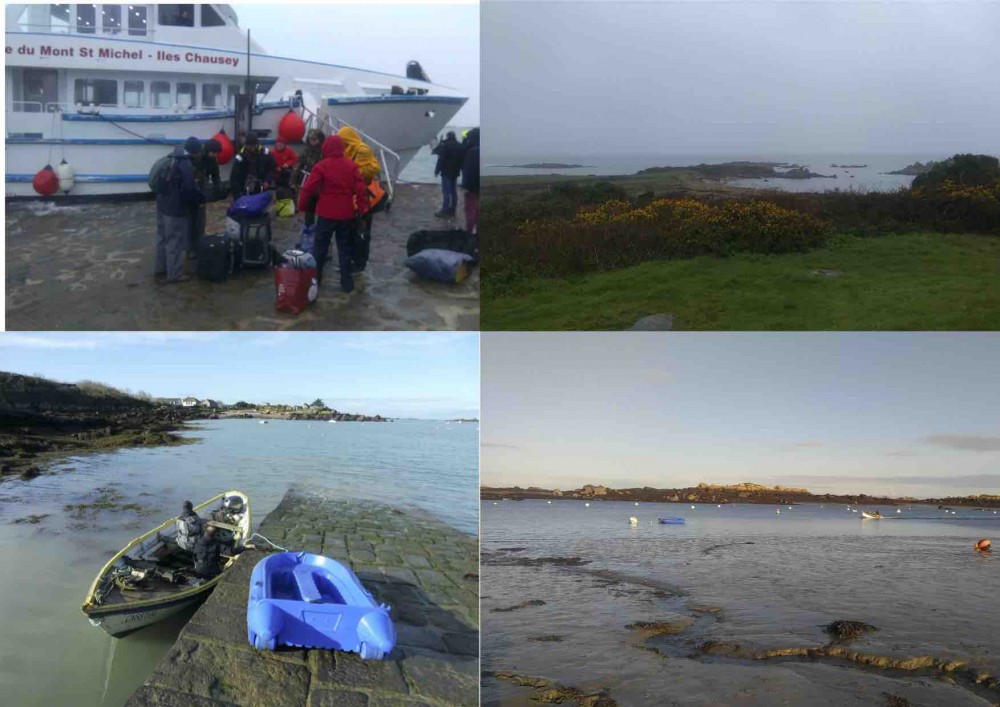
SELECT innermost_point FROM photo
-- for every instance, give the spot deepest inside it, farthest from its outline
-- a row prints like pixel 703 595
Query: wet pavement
pixel 90 267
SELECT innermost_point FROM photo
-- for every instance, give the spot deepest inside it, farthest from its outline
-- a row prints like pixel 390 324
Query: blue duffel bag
pixel 250 206
pixel 440 265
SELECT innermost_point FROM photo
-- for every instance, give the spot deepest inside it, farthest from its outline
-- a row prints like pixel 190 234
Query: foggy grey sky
pixel 748 78
pixel 444 38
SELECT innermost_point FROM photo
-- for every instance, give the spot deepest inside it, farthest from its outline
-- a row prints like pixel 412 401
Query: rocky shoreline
pixel 742 170
pixel 716 494
pixel 317 416
pixel 28 442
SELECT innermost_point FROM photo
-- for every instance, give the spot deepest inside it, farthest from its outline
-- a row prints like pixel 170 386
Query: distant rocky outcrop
pixel 743 170
pixel 914 169
pixel 746 492
pixel 547 165
pixel 849 166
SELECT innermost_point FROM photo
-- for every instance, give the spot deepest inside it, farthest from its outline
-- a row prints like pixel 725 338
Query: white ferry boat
pixel 108 89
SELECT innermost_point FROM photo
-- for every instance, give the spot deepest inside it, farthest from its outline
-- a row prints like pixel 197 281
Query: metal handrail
pixel 75 29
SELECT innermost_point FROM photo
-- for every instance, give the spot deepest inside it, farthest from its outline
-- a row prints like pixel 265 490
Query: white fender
pixel 66 174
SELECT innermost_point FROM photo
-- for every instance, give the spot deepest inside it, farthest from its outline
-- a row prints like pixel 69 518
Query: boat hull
pixel 121 623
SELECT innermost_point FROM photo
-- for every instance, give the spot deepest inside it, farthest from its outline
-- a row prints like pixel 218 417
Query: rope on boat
pixel 276 547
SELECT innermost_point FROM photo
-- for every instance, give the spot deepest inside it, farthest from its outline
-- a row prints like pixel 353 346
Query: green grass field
pixel 917 281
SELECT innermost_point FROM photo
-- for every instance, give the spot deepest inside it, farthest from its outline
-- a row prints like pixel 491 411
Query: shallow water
pixel 51 655
pixel 778 579
pixel 859 179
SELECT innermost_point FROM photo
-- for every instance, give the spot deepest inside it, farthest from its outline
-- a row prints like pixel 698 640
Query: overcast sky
pixel 906 414
pixel 412 374
pixel 740 78
pixel 444 38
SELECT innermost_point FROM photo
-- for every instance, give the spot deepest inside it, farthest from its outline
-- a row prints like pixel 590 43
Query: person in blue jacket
pixel 175 206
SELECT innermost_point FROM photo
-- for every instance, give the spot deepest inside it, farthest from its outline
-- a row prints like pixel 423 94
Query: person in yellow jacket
pixel 367 162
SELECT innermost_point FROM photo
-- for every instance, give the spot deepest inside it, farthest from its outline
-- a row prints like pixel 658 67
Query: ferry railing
pixel 383 150
pixel 26 106
pixel 75 29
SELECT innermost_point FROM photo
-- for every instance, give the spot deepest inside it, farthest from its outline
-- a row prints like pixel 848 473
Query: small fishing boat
pixel 152 578
pixel 310 601
pixel 871 516
pixel 633 521
pixel 673 520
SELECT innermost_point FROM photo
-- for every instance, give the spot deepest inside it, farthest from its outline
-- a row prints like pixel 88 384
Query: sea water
pixel 868 178
pixel 777 578
pixel 51 655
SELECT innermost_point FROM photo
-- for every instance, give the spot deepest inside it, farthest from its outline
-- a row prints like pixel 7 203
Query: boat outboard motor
pixel 415 71
pixel 232 504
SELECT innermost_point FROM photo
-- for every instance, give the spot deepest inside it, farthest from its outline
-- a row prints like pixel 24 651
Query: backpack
pixel 189 529
pixel 159 175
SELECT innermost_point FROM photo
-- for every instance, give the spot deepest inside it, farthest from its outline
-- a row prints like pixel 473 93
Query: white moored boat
pixel 151 578
pixel 110 88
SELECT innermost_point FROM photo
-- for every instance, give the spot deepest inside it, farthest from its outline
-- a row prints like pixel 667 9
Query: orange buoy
pixel 291 128
pixel 46 181
pixel 984 545
pixel 227 151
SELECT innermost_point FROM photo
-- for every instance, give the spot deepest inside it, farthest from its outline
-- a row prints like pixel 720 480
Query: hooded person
pixel 449 165
pixel 339 191
pixel 470 181
pixel 253 169
pixel 312 153
pixel 357 150
pixel 176 203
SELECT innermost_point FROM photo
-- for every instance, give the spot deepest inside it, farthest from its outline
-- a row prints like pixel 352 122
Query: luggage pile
pixel 295 284
pixel 246 242
pixel 442 256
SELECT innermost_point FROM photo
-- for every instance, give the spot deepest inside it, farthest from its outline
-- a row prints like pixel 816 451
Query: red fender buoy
pixel 46 181
pixel 984 545
pixel 291 128
pixel 227 151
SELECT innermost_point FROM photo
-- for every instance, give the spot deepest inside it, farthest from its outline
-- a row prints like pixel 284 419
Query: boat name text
pixel 159 56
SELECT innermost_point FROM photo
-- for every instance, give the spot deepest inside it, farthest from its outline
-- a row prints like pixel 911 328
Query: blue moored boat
pixel 310 601
pixel 673 520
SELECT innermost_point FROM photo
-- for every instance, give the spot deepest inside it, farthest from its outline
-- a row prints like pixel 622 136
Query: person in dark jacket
pixel 189 527
pixel 174 208
pixel 470 181
pixel 312 153
pixel 449 165
pixel 253 169
pixel 210 166
pixel 208 554
pixel 342 197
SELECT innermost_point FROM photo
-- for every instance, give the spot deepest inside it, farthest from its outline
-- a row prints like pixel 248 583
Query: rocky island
pixel 546 165
pixel 913 170
pixel 741 170
pixel 716 493
pixel 849 166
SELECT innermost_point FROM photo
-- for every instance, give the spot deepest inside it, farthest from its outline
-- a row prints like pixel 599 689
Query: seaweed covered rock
pixel 847 630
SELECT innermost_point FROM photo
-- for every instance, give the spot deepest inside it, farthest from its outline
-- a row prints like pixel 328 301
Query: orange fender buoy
pixel 291 128
pixel 984 545
pixel 46 181
pixel 228 150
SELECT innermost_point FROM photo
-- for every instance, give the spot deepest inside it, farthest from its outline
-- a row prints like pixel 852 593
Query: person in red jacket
pixel 342 196
pixel 284 159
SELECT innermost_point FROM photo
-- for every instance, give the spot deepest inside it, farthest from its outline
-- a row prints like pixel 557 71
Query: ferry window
pixel 210 18
pixel 59 15
pixel 176 15
pixel 211 95
pixel 99 92
pixel 185 95
pixel 111 16
pixel 86 19
pixel 137 16
pixel 159 92
pixel 232 90
pixel 135 96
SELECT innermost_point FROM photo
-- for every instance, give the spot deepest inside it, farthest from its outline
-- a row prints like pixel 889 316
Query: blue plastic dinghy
pixel 310 601
pixel 674 520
